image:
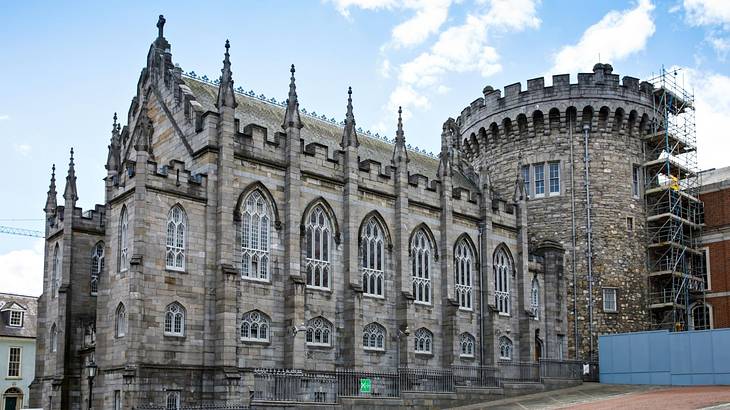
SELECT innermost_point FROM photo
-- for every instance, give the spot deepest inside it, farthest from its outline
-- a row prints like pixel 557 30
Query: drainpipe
pixel 572 223
pixel 482 289
pixel 589 238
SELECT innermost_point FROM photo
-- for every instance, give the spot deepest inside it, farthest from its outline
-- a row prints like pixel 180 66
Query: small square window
pixel 539 179
pixel 16 318
pixel 609 300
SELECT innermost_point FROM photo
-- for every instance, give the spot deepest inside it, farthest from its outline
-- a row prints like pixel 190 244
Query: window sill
pixel 466 356
pixel 319 289
pixel 255 280
pixel 173 336
pixel 255 342
pixel 465 310
pixel 504 314
pixel 13 377
pixel 372 296
pixel 373 350
pixel 317 346
pixel 176 270
pixel 425 354
pixel 426 304
pixel 613 312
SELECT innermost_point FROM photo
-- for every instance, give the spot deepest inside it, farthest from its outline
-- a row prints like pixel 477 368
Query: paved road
pixel 610 396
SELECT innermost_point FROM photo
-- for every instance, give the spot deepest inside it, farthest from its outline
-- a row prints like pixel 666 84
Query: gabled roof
pixel 28 305
pixel 12 306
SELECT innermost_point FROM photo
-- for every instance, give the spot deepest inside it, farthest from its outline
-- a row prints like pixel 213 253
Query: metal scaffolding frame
pixel 676 265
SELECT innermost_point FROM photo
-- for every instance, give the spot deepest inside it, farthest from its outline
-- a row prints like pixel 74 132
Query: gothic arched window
pixel 176 238
pixel 318 255
pixel 466 344
pixel 123 240
pixel 120 324
pixel 423 341
pixel 502 265
pixel 175 320
pixel 421 267
pixel 372 246
pixel 97 266
pixel 54 338
pixel 373 337
pixel 535 298
pixel 55 271
pixel 255 237
pixel 505 348
pixel 319 332
pixel 701 317
pixel 255 327
pixel 464 269
pixel 172 401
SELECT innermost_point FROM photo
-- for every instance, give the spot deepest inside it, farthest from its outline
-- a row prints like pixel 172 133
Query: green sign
pixel 366 386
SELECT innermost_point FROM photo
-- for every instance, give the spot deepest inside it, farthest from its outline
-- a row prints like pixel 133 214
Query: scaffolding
pixel 677 273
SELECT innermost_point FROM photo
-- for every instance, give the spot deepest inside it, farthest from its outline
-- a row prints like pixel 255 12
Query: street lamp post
pixel 92 373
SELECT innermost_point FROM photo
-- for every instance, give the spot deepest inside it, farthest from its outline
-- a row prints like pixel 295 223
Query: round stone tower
pixel 573 142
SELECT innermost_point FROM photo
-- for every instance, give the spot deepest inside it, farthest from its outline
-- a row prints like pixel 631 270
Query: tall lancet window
pixel 318 255
pixel 120 324
pixel 502 265
pixel 123 241
pixel 421 267
pixel 54 338
pixel 464 269
pixel 176 231
pixel 255 237
pixel 55 271
pixel 97 266
pixel 371 244
pixel 535 298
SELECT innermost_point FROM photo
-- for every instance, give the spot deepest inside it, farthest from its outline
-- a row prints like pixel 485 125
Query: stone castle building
pixel 240 233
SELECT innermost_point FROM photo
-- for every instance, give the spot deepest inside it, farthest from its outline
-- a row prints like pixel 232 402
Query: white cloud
pixel 429 16
pixel 618 35
pixel 4 117
pixel 459 49
pixel 707 12
pixel 22 149
pixel 720 44
pixel 22 270
pixel 712 106
pixel 384 69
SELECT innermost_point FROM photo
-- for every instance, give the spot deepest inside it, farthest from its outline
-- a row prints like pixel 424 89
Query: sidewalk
pixel 612 396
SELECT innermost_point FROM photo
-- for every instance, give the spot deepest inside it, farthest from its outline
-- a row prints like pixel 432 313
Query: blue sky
pixel 68 67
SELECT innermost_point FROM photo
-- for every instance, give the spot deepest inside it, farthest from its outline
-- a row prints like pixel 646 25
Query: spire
pixel 70 193
pixel 112 160
pixel 226 97
pixel 399 151
pixel 291 118
pixel 51 199
pixel 349 135
pixel 445 160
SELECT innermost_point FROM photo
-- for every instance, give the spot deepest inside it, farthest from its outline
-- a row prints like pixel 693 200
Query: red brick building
pixel 715 193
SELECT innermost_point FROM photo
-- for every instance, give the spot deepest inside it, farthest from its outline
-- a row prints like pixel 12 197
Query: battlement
pixel 599 84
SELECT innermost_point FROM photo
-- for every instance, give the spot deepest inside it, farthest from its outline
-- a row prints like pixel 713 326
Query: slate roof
pixel 254 110
pixel 30 304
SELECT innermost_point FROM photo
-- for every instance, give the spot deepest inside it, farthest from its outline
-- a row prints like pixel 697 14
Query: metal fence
pixel 304 386
pixel 426 380
pixel 294 386
pixel 519 372
pixel 200 407
pixel 353 383
pixel 561 369
pixel 476 376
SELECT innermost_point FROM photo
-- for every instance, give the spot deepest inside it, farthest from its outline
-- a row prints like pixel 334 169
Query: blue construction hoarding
pixel 663 357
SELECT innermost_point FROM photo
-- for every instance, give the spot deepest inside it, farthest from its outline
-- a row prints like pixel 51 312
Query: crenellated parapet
pixel 607 103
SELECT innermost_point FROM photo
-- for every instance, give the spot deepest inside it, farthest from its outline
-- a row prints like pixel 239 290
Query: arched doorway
pixel 12 399
pixel 538 346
